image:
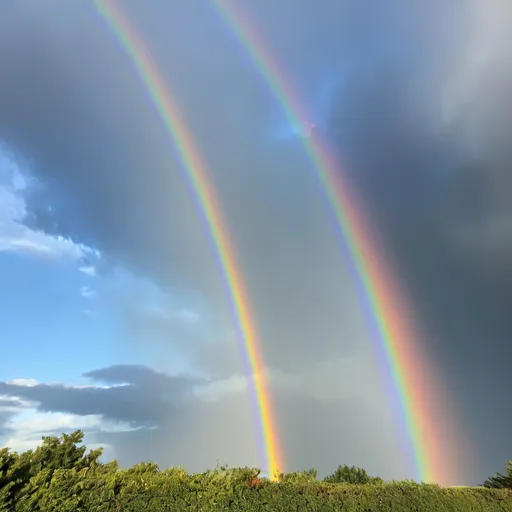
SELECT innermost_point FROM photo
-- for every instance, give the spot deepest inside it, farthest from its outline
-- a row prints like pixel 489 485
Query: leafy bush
pixel 352 475
pixel 301 477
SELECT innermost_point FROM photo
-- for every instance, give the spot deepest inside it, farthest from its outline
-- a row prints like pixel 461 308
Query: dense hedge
pixel 60 477
pixel 123 490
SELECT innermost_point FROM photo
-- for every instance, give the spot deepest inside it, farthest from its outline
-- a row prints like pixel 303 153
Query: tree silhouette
pixel 500 481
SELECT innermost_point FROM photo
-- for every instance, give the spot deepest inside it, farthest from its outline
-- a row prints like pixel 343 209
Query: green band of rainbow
pixel 198 176
pixel 419 401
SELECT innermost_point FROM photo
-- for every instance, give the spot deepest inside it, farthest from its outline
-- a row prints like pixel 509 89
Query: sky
pixel 115 316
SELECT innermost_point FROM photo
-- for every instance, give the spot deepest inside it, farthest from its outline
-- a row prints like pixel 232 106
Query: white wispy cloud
pixel 23 382
pixel 185 315
pixel 13 404
pixel 28 426
pixel 88 270
pixel 86 292
pixel 15 235
pixel 215 390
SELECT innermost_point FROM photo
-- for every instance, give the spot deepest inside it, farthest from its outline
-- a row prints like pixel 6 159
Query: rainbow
pixel 419 405
pixel 197 174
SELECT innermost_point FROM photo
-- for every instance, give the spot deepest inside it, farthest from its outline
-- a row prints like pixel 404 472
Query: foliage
pixel 60 477
pixel 500 481
pixel 352 475
pixel 24 476
pixel 299 477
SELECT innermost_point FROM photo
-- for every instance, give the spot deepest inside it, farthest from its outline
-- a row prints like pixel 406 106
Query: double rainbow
pixel 414 385
pixel 415 388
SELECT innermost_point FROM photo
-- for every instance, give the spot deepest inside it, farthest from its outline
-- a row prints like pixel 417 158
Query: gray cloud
pixel 72 107
pixel 199 433
pixel 10 404
pixel 139 399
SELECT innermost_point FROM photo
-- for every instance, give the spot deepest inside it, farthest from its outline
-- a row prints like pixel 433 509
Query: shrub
pixel 500 481
pixel 351 475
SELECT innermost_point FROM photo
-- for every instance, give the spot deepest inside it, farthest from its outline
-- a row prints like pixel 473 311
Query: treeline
pixel 60 476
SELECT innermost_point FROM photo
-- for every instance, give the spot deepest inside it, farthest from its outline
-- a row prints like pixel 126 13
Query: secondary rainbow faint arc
pixel 403 352
pixel 197 173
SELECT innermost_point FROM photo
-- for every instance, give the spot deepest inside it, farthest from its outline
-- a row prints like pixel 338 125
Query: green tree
pixel 500 481
pixel 23 473
pixel 351 475
pixel 64 453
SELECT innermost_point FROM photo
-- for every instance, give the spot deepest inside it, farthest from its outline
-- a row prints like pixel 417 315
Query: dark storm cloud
pixel 442 200
pixel 71 105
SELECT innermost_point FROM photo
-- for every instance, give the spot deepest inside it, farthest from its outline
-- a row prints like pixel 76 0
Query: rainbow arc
pixel 197 174
pixel 416 389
